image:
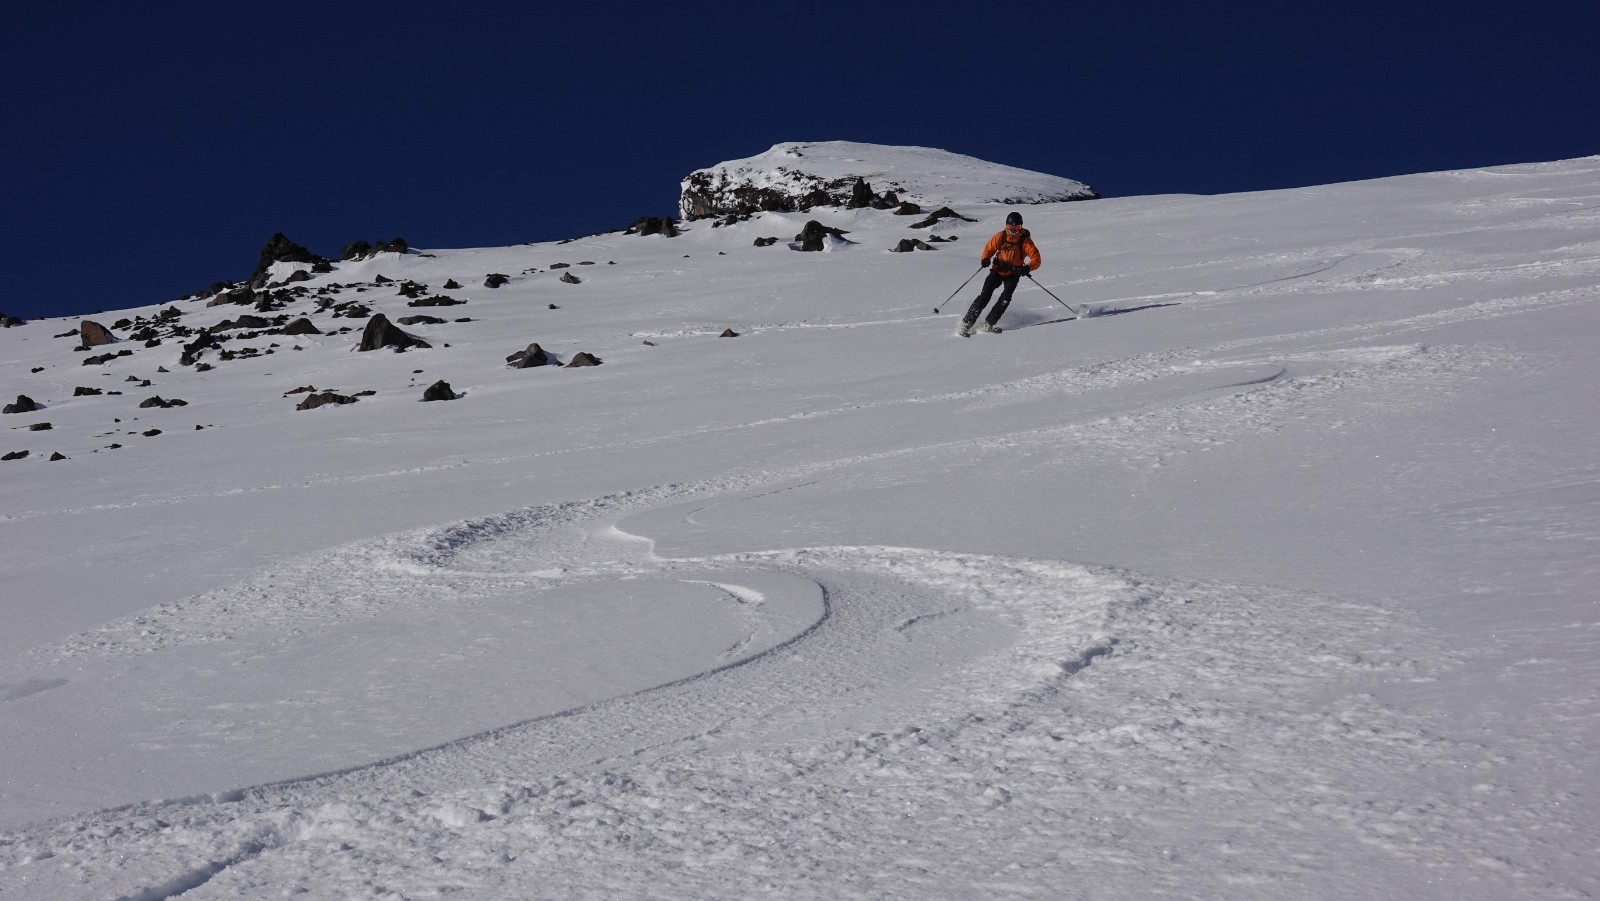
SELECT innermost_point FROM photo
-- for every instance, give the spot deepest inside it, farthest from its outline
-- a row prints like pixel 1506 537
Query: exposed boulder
pixel 40 427
pixel 15 455
pixel 812 237
pixel 278 249
pixel 943 212
pixel 496 279
pixel 81 391
pixel 584 358
pixel 94 334
pixel 10 321
pixel 528 358
pixel 766 242
pixel 654 225
pixel 158 403
pixel 571 279
pixel 393 245
pixel 239 296
pixel 380 332
pixel 452 285
pixel 907 208
pixel 860 195
pixel 439 301
pixel 301 326
pixel 907 245
pixel 24 404
pixel 323 399
pixel 355 250
pixel 57 456
pixel 420 320
pixel 439 390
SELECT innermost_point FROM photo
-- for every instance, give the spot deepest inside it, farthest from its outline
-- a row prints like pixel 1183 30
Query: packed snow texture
pixel 1271 577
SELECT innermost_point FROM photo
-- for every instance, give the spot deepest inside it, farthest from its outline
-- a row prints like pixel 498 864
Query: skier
pixel 1013 255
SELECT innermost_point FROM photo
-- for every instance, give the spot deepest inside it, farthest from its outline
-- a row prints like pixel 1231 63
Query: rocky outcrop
pixel 654 225
pixel 528 358
pixel 278 249
pixel 583 358
pixel 93 334
pixel 24 404
pixel 941 213
pixel 439 390
pixel 380 332
pixel 814 236
pixel 323 399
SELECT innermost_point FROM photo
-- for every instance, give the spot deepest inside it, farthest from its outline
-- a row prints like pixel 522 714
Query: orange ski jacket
pixel 1008 254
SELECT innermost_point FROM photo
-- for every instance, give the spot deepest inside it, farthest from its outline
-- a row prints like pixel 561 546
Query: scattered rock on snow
pixel 528 358
pixel 495 280
pixel 728 333
pixel 322 399
pixel 812 237
pixel 94 334
pixel 439 390
pixel 584 358
pixel 571 279
pixel 380 332
pixel 15 455
pixel 24 404
pixel 943 212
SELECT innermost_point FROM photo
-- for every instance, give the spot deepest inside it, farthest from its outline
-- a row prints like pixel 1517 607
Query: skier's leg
pixel 1005 301
pixel 990 282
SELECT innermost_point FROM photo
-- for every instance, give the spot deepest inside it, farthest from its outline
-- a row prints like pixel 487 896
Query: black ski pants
pixel 993 281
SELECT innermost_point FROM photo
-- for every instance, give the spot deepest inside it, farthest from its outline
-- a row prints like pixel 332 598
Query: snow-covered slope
pixel 787 173
pixel 1272 577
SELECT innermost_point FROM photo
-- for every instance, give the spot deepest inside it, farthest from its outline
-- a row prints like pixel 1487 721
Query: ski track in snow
pixel 1025 766
pixel 1115 695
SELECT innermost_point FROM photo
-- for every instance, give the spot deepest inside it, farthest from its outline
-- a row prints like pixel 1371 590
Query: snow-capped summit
pixel 791 175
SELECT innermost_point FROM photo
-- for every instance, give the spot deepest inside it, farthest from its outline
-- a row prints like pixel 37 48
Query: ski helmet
pixel 1013 218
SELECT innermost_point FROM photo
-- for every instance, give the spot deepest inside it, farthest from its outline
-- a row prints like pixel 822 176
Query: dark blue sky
pixel 152 149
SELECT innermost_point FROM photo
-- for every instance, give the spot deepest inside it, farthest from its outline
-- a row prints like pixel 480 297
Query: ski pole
pixel 1047 291
pixel 958 290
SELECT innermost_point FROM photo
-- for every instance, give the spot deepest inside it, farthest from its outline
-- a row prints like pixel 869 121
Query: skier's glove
pixel 983 263
pixel 1024 269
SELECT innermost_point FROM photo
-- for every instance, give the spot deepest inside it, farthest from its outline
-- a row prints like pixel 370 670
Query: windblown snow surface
pixel 1271 577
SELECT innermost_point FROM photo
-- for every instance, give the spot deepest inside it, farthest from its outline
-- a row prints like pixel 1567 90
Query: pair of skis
pixel 997 328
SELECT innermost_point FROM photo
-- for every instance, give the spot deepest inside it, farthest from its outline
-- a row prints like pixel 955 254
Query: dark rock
pixel 10 321
pixel 571 279
pixel 354 250
pixel 322 267
pixel 440 301
pixel 860 195
pixel 124 322
pixel 56 456
pixel 153 402
pixel 420 320
pixel 811 237
pixel 239 296
pixel 380 332
pixel 323 399
pixel 40 427
pixel 943 212
pixel 278 249
pixel 299 275
pixel 246 321
pixel 583 358
pixel 907 245
pixel 907 208
pixel 728 333
pixel 560 265
pixel 81 391
pixel 653 225
pixel 151 433
pixel 383 280
pixel 15 455
pixel 301 326
pixel 452 285
pixel 24 404
pixel 439 390
pixel 393 245
pixel 94 334
pixel 766 242
pixel 533 356
pixel 306 389
pixel 495 280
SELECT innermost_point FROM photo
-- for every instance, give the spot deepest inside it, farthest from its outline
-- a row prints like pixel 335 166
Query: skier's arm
pixel 1031 250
